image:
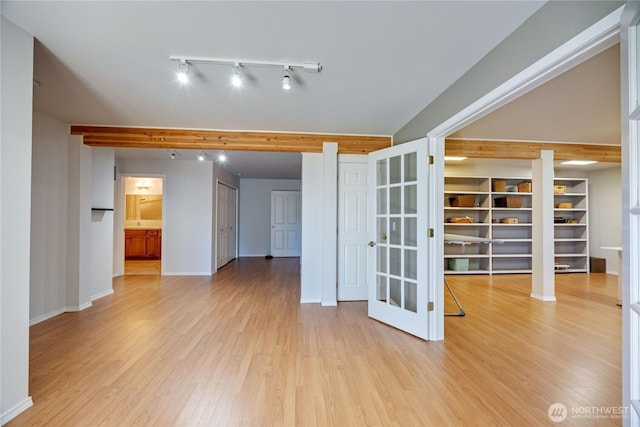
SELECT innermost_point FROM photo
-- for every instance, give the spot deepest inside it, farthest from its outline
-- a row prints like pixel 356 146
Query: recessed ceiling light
pixel 455 158
pixel 579 162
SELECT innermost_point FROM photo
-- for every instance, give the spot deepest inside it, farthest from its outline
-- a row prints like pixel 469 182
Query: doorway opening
pixel 143 225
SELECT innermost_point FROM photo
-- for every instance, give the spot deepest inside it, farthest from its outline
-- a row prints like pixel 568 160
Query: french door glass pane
pixel 411 296
pixel 395 255
pixel 382 172
pixel 381 232
pixel 396 200
pixel 382 259
pixel 410 199
pixel 381 288
pixel 410 264
pixel 395 238
pixel 382 201
pixel 411 232
pixel 395 170
pixel 410 167
pixel 395 292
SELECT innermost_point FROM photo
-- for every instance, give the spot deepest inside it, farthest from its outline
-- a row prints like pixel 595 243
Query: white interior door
pixel 226 225
pixel 285 223
pixel 352 231
pixel 398 252
pixel 630 95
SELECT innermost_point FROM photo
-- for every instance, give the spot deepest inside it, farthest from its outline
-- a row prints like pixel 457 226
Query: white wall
pixel 255 213
pixel 16 75
pixel 187 214
pixel 550 27
pixel 605 215
pixel 103 161
pixel 312 211
pixel 48 218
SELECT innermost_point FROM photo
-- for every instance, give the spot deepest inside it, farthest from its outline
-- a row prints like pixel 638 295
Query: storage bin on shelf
pixel 564 205
pixel 499 185
pixel 524 187
pixel 559 189
pixel 463 201
pixel 509 202
pixel 460 220
pixel 508 220
pixel 459 264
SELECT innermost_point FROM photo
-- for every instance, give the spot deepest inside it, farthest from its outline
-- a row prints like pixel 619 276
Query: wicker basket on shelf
pixel 513 202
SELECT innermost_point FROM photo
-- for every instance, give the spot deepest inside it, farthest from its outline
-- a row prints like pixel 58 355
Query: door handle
pixel 372 243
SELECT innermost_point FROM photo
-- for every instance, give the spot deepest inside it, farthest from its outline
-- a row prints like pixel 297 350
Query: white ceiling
pixel 108 63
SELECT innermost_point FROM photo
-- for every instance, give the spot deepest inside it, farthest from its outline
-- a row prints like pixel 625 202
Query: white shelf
pixel 514 255
pixel 572 240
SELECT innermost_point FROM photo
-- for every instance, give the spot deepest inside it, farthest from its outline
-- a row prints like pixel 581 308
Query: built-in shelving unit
pixel 571 228
pixel 491 206
pixel 514 255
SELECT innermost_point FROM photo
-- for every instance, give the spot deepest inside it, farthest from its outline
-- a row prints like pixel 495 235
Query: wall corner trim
pixel 16 410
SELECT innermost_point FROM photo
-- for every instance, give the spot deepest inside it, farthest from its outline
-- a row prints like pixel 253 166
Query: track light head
pixel 222 157
pixel 236 79
pixel 183 71
pixel 286 78
pixel 202 156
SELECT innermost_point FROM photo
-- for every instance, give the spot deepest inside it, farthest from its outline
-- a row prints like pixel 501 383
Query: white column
pixel 543 284
pixel 312 216
pixel 15 217
pixel 329 223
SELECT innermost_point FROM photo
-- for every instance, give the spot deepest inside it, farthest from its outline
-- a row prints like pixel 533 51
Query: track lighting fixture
pixel 183 71
pixel 222 157
pixel 236 79
pixel 202 156
pixel 172 156
pixel 286 78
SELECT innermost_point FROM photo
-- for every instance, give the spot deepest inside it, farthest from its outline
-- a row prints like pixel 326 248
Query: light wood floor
pixel 238 349
pixel 141 267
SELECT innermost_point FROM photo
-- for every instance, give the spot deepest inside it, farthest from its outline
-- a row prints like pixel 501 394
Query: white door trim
pixel 630 270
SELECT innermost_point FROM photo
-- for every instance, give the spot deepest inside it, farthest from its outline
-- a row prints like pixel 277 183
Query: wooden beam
pixel 530 150
pixel 187 139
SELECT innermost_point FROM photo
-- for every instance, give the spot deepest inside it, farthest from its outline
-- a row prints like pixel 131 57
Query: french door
pixel 398 257
pixel 630 95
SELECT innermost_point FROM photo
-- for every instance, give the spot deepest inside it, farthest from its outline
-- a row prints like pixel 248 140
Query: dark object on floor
pixel 268 256
pixel 597 265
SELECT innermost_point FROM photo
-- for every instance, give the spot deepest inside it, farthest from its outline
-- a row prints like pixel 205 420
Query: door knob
pixel 372 243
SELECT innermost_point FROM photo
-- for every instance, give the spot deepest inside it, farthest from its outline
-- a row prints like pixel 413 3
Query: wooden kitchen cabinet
pixel 142 244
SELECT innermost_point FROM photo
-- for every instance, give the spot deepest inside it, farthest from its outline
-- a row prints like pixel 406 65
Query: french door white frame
pixel 630 108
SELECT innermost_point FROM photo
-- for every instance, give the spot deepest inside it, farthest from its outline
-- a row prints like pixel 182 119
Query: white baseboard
pixel 46 316
pixel 16 410
pixel 543 298
pixel 252 255
pixel 102 294
pixel 80 307
pixel 310 301
pixel 332 303
pixel 615 272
